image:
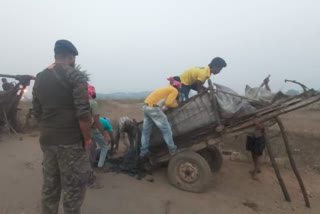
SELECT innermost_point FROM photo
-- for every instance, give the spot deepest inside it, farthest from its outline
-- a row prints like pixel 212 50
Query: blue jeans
pixel 99 140
pixel 185 89
pixel 155 116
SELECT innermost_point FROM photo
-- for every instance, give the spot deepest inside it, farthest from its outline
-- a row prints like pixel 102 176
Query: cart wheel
pixel 189 171
pixel 214 158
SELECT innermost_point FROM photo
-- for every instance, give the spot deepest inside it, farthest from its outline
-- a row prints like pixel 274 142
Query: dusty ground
pixel 231 190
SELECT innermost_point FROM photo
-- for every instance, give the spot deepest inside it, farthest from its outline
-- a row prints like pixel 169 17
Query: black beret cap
pixel 65 47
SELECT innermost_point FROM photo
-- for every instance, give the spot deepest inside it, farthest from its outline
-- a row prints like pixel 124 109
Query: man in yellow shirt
pixel 194 78
pixel 153 114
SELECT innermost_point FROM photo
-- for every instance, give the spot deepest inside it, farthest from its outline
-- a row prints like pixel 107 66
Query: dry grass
pixel 302 127
pixel 314 107
pixel 114 109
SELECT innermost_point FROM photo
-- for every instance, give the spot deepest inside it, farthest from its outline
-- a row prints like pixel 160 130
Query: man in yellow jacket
pixel 152 109
pixel 194 78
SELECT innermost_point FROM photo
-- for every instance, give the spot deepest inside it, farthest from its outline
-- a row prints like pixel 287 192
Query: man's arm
pixel 116 139
pixel 96 118
pixel 171 99
pixel 200 87
pixel 36 106
pixel 268 87
pixel 111 136
pixel 99 126
pixel 85 127
pixel 131 139
pixel 81 101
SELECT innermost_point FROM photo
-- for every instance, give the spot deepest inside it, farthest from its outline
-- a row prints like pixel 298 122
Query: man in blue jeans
pixel 153 114
pixel 99 136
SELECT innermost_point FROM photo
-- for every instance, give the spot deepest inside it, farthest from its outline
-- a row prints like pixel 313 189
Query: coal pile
pixel 128 164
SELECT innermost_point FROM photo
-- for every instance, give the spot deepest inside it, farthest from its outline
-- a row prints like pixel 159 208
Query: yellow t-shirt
pixel 190 76
pixel 168 93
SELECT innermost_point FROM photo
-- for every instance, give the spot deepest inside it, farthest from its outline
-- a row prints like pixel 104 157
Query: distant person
pixel 7 86
pixel 256 145
pixel 126 126
pixel 194 78
pixel 153 114
pixel 265 83
pixel 256 141
pixel 61 104
pixel 99 136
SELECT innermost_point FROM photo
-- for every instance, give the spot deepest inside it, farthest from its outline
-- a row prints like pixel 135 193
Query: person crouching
pixel 153 114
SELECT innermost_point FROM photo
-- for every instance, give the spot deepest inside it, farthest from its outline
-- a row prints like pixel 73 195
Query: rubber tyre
pixel 214 158
pixel 198 163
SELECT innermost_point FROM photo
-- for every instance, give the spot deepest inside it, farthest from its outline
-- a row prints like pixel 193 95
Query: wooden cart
pixel 191 169
pixel 9 101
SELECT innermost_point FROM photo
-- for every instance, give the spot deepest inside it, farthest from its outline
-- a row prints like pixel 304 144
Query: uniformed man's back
pixel 59 121
pixel 61 104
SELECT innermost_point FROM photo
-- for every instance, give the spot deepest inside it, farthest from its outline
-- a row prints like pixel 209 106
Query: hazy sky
pixel 135 45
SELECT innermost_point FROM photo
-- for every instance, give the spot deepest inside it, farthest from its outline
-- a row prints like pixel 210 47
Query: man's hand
pixel 87 143
pixel 164 108
pixel 85 126
pixel 200 87
pixel 107 138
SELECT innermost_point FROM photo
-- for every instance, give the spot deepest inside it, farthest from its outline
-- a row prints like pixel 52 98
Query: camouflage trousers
pixel 65 172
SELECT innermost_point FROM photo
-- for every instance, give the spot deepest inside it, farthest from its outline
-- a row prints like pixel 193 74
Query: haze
pixel 136 45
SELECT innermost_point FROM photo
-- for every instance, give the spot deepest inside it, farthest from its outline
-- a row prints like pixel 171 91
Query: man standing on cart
pixel 153 114
pixel 194 78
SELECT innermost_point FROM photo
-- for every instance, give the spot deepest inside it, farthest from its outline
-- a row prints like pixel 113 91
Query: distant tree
pixel 124 95
pixel 292 92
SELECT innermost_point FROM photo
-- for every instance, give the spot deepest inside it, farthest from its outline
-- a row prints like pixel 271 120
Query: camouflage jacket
pixel 60 100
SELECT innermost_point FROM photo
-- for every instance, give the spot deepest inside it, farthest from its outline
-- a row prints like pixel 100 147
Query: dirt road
pixel 232 190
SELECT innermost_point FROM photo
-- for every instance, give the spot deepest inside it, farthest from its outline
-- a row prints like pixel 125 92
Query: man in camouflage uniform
pixel 61 104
